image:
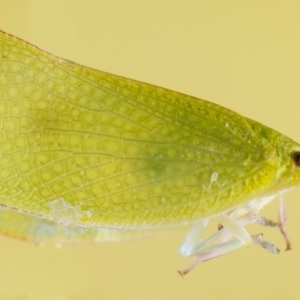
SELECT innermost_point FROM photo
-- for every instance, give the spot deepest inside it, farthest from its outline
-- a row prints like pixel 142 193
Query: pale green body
pixel 124 154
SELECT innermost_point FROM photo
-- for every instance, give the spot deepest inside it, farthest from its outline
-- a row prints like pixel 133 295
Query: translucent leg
pixel 255 206
pixel 231 236
pixel 213 252
pixel 282 220
pixel 226 248
pixel 251 218
pixel 259 241
pixel 194 238
pixel 235 228
pixel 193 245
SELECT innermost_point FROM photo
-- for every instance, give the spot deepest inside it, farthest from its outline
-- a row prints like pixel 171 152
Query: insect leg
pixel 221 243
pixel 252 218
pixel 282 220
pixel 213 252
pixel 231 236
pixel 193 239
pixel 259 241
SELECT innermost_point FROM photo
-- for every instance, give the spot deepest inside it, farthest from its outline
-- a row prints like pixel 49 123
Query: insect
pixel 87 155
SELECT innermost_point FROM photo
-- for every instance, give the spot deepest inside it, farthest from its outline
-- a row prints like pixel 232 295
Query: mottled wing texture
pixel 83 146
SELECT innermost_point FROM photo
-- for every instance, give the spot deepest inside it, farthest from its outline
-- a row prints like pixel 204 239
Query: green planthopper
pixel 90 156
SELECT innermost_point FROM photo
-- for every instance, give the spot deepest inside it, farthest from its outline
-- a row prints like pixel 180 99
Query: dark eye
pixel 296 157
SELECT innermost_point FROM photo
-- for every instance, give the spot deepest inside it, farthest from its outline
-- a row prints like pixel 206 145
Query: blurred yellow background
pixel 243 55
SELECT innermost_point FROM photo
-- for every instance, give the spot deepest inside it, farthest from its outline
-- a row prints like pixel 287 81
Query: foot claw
pixel 182 273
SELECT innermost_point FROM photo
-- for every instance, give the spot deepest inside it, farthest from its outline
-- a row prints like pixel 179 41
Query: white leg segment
pixel 193 239
pixel 230 237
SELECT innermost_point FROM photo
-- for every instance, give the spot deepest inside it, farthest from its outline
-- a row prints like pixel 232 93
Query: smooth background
pixel 244 55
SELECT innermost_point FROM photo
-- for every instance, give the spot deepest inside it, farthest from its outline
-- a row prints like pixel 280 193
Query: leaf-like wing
pixel 116 152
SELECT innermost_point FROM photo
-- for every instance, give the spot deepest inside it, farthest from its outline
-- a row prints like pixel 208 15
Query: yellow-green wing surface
pixel 119 153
